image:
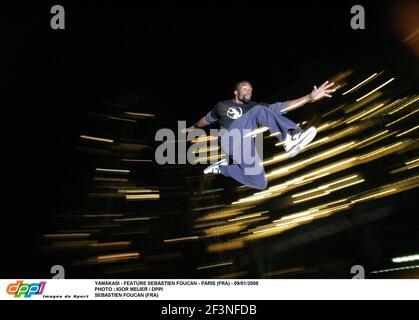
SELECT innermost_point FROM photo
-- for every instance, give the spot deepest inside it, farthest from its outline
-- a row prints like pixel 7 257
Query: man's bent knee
pixel 260 184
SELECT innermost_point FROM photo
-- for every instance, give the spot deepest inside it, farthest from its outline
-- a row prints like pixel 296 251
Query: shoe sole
pixel 208 169
pixel 303 143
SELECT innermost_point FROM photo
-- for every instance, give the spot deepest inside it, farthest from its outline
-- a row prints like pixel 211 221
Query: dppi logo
pixel 26 290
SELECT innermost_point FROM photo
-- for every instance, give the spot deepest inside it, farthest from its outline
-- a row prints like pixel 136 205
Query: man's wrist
pixel 310 98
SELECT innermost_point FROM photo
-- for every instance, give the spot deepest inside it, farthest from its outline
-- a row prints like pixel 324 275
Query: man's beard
pixel 246 99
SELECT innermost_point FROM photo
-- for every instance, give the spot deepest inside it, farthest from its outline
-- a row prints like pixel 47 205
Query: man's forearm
pixel 201 123
pixel 296 103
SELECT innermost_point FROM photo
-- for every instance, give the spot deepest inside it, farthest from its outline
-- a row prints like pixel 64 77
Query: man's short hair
pixel 237 85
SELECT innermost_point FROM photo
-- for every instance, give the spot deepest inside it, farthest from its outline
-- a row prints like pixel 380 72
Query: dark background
pixel 181 58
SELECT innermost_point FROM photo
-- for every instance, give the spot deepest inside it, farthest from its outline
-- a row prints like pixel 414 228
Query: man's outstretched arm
pixel 209 118
pixel 315 94
pixel 201 123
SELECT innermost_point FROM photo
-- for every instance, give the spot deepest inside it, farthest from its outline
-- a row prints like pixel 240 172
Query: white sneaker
pixel 215 167
pixel 296 142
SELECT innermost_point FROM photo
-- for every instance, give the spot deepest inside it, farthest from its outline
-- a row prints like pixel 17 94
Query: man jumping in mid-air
pixel 243 114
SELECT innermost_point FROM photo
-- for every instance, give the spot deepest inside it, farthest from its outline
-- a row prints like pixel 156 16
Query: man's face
pixel 244 93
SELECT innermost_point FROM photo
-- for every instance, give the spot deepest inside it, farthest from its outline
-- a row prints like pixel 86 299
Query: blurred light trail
pixel 139 115
pixel 325 189
pixel 409 102
pixel 225 246
pixel 204 138
pixel 112 170
pixel 223 264
pixel 136 190
pixel 96 139
pixel 360 84
pixel 256 131
pixel 374 195
pixel 132 197
pixel 396 269
pixel 408 131
pixel 364 113
pixel 414 257
pixel 181 239
pixel 372 91
pixel 68 235
pixel 400 119
pixel 118 257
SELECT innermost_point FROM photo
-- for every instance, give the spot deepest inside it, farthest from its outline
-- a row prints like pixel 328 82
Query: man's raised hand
pixel 185 130
pixel 322 91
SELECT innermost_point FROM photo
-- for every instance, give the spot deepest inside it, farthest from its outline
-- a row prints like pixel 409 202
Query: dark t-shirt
pixel 225 112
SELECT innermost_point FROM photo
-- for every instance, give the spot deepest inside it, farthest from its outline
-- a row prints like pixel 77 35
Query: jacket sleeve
pixel 212 116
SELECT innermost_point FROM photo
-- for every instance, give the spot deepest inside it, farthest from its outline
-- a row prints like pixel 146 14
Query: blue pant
pixel 251 120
